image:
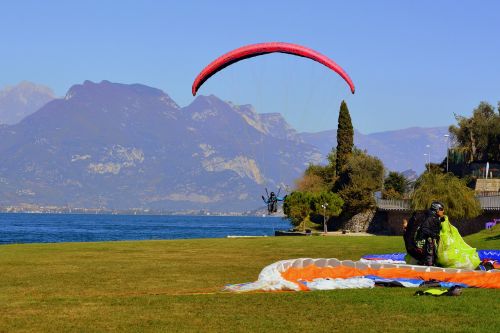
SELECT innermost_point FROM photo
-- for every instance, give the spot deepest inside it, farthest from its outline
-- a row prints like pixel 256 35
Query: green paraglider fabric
pixel 431 292
pixel 452 291
pixel 452 251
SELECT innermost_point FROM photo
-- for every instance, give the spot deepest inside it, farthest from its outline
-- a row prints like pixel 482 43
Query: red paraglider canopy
pixel 254 50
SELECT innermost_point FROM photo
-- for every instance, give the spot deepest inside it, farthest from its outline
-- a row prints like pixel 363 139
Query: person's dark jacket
pixel 431 226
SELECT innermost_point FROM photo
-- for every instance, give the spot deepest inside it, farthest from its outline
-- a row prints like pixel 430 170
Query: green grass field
pixel 175 286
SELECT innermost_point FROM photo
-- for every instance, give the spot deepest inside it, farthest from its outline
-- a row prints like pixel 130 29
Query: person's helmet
pixel 436 206
pixel 272 193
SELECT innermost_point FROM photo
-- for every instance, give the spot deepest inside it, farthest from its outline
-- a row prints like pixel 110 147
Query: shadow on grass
pixel 496 237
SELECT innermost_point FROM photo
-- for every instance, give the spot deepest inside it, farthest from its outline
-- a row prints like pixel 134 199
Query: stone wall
pixel 360 222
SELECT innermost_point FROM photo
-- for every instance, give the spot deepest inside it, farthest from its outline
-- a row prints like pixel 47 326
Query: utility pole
pixel 429 152
pixel 447 136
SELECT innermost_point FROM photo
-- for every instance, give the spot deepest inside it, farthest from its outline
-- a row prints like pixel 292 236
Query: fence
pixel 487 202
pixel 392 204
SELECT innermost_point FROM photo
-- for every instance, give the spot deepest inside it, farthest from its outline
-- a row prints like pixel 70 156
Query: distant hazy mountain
pixel 21 100
pixel 131 146
pixel 400 150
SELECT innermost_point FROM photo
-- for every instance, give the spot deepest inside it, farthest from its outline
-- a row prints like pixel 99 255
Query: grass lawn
pixel 175 286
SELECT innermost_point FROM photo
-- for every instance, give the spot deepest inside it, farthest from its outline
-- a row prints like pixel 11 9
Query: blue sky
pixel 414 63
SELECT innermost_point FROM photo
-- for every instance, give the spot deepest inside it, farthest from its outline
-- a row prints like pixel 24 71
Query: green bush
pixel 304 208
pixel 459 200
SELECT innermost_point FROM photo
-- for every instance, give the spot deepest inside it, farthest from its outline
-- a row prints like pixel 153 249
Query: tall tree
pixel 318 178
pixel 479 135
pixel 395 186
pixel 345 138
pixel 311 182
pixel 363 176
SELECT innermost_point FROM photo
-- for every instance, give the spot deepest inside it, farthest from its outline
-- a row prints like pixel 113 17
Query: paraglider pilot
pixel 429 232
pixel 422 234
pixel 272 202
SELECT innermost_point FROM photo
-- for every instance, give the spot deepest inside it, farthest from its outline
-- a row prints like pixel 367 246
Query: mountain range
pixel 400 150
pixel 122 146
pixel 19 101
pixel 131 146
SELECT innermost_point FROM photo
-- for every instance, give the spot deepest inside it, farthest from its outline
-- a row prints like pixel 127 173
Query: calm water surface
pixel 53 228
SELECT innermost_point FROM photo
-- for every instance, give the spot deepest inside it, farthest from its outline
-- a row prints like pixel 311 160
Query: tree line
pixel 346 185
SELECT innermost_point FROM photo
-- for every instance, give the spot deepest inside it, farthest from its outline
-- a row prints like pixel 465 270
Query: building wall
pixel 487 186
pixel 390 222
pixel 467 227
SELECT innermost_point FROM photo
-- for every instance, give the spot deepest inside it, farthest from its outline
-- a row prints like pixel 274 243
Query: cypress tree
pixel 345 137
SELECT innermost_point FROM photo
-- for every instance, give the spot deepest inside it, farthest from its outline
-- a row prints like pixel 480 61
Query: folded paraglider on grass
pixel 326 274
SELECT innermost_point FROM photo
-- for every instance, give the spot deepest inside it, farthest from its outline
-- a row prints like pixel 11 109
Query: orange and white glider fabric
pixel 325 274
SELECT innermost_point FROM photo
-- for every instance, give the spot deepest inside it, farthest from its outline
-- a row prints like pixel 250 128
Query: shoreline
pixel 339 233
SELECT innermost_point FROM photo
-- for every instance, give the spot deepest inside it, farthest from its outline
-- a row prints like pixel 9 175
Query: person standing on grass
pixel 421 234
pixel 429 232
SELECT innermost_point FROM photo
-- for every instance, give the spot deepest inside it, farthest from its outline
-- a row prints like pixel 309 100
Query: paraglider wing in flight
pixel 255 50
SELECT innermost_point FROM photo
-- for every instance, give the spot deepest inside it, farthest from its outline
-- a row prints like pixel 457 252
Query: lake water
pixel 53 228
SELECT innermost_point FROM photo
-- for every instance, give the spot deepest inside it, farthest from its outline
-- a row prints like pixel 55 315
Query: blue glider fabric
pixel 400 256
pixel 396 282
pixel 489 254
pixel 451 284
